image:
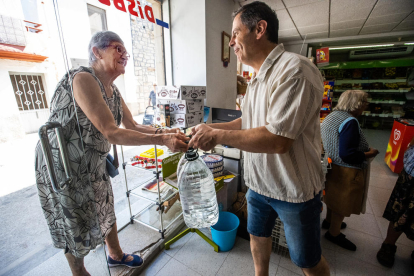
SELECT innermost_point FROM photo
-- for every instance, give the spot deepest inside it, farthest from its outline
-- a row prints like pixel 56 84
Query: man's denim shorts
pixel 301 222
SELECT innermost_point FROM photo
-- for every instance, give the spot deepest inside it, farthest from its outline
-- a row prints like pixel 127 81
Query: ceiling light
pixel 358 47
pixel 410 43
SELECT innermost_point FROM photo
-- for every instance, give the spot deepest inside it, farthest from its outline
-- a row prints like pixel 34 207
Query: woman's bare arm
pixel 129 123
pixel 88 96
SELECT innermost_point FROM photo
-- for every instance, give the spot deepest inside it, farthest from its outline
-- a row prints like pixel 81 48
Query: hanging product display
pixel 197 192
pixel 326 107
pixel 322 56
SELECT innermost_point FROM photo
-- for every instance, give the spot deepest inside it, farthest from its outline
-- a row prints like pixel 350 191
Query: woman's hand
pixel 171 130
pixel 175 141
pixel 371 153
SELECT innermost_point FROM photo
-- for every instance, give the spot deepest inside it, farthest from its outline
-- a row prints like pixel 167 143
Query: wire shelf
pixel 279 244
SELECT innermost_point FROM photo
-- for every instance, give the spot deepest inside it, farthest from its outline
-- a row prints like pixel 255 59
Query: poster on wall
pixel 322 56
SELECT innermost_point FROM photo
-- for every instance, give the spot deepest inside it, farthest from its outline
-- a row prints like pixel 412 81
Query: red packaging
pixel 401 136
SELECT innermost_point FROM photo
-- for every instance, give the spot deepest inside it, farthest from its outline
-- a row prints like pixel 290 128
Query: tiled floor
pixel 192 256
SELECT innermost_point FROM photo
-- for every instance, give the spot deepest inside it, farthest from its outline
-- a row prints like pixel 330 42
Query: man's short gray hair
pixel 351 100
pixel 101 40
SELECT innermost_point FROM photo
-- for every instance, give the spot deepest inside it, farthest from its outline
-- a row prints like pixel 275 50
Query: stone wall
pixel 143 54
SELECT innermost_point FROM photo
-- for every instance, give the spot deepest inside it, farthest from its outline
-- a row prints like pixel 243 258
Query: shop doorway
pixel 40 42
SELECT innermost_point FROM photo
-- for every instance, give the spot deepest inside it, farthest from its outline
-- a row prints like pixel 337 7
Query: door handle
pixel 47 153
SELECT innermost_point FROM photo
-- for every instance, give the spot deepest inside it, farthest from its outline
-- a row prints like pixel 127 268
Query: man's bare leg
pixel 321 269
pixel 261 249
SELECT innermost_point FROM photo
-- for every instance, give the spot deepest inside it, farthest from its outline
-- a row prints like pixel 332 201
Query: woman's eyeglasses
pixel 121 50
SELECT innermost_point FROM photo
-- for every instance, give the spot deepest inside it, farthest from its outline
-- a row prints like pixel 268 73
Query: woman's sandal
pixel 136 262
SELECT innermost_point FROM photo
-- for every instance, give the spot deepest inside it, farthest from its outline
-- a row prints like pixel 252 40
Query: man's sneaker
pixel 341 241
pixel 136 262
pixel 327 225
pixel 386 255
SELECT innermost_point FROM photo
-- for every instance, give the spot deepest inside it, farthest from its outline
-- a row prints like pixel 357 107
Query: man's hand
pixel 371 153
pixel 203 137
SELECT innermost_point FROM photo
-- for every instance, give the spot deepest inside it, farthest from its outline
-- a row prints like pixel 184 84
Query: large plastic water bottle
pixel 197 192
pixel 181 164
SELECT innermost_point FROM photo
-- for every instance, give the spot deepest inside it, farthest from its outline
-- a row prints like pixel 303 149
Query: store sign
pixel 145 12
pixel 322 56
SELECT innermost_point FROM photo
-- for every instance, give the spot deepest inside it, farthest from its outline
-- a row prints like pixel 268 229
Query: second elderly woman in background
pixel 348 148
pixel 83 214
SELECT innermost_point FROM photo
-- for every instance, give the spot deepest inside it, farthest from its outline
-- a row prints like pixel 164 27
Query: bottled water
pixel 181 164
pixel 197 192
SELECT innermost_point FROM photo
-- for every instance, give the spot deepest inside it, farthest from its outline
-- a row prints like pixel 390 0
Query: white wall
pixel 196 30
pixel 188 29
pixel 221 81
pixel 298 49
pixel 11 8
pixel 167 43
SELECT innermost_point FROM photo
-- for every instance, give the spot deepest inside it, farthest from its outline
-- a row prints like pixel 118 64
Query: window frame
pixel 102 12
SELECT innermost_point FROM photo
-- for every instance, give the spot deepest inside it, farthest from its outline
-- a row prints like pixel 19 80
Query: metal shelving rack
pixel 155 206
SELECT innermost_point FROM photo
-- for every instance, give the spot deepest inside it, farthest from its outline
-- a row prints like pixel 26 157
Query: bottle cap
pixel 191 154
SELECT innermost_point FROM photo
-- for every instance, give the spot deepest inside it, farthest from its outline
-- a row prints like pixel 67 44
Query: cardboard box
pixel 165 119
pixel 183 106
pixel 176 106
pixel 183 92
pixel 195 105
pixel 168 92
pixel 188 92
pixel 186 120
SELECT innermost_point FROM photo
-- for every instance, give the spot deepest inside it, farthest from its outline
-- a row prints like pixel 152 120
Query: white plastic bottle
pixel 181 164
pixel 197 192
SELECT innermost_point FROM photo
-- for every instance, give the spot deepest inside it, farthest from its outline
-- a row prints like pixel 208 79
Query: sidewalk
pixel 24 236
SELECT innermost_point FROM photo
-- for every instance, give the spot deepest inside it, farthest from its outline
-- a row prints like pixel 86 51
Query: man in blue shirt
pixel 152 96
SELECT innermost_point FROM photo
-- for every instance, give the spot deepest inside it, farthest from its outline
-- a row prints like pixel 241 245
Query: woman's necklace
pixel 108 89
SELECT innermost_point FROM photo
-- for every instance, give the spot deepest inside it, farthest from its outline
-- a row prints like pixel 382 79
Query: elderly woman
pixel 83 213
pixel 348 148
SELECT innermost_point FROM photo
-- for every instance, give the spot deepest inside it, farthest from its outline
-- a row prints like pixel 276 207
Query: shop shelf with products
pixel 384 81
pixel 177 107
pixel 326 107
pixel 158 207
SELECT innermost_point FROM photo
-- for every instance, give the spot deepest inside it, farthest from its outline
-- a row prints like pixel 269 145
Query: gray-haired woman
pixel 83 213
pixel 348 148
